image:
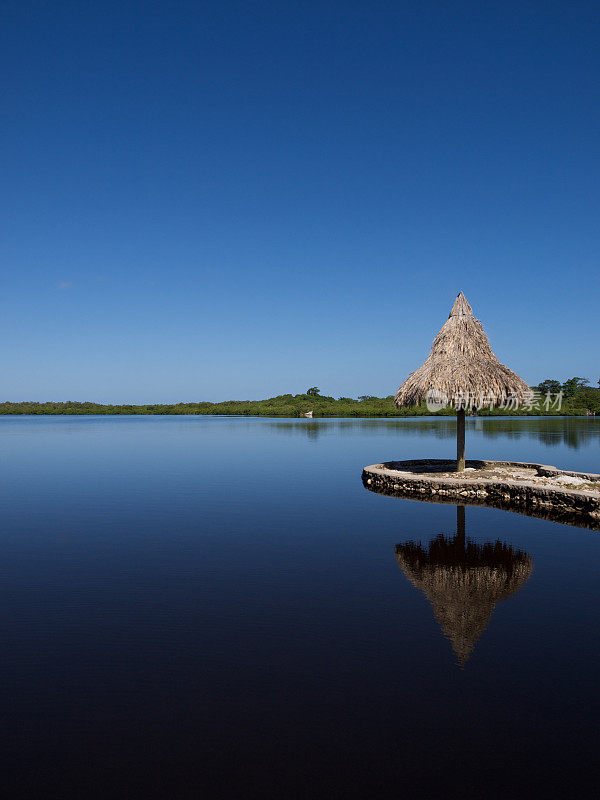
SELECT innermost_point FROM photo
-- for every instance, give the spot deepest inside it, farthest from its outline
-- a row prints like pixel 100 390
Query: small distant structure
pixel 462 371
pixel 305 414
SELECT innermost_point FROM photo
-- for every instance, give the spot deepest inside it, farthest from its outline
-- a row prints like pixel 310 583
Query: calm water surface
pixel 215 607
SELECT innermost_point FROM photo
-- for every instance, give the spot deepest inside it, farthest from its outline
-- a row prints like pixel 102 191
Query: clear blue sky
pixel 213 200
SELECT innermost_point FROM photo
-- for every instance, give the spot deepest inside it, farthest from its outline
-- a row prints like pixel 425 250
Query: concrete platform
pixel 536 490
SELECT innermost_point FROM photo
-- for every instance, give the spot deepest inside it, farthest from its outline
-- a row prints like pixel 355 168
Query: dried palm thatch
pixel 463 581
pixel 462 369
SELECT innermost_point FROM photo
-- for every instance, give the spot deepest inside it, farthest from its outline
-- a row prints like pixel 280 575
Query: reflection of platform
pixel 533 489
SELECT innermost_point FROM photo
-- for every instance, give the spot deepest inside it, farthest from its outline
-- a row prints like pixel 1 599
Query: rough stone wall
pixel 573 506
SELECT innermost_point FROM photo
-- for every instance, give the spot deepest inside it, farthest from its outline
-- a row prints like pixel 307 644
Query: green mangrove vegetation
pixel 577 398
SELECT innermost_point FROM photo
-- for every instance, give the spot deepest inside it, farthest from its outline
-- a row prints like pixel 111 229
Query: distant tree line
pixel 577 399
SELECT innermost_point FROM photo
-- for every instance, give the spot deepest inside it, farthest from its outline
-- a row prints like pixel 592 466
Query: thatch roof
pixel 462 369
pixel 463 581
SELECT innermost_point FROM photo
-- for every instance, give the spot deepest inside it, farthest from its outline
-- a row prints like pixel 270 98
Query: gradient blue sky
pixel 213 200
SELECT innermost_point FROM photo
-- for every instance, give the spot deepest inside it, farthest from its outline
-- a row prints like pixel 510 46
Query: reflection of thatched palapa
pixel 463 581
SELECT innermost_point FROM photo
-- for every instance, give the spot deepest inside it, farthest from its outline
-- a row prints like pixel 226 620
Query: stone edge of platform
pixel 471 489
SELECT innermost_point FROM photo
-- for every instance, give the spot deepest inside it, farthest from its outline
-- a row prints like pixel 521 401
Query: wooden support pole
pixel 460 440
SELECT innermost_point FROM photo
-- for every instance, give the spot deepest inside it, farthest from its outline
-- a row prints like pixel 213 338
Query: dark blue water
pixel 212 607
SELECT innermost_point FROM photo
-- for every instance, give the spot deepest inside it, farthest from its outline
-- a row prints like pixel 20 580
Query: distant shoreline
pixel 284 406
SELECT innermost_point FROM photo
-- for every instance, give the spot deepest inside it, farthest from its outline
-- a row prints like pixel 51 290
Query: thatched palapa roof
pixel 462 369
pixel 463 581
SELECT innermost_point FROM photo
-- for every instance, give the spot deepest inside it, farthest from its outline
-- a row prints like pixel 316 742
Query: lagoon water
pixel 212 607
